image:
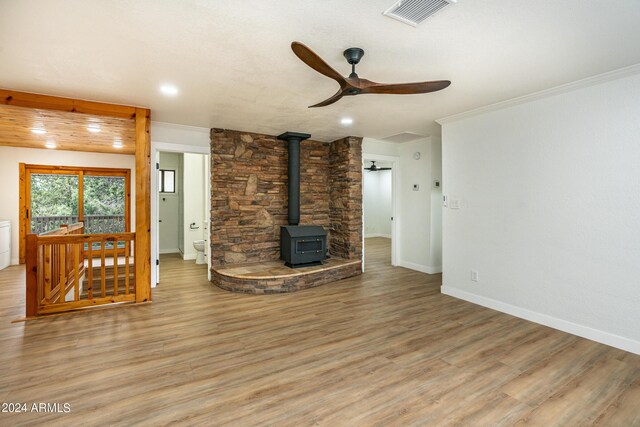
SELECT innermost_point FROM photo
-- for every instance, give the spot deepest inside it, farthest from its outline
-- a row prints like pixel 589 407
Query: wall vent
pixel 413 12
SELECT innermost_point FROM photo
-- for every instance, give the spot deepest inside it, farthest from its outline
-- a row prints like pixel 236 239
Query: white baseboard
pixel 187 257
pixel 386 236
pixel 170 251
pixel 597 335
pixel 421 268
pixel 15 261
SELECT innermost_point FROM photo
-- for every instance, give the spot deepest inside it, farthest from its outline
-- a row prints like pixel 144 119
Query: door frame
pixel 156 148
pixel 395 191
pixel 25 171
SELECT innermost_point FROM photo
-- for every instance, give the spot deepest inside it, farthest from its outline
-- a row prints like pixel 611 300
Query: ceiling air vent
pixel 413 12
pixel 404 137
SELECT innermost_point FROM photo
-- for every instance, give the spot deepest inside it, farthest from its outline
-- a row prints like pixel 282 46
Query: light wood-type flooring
pixel 385 348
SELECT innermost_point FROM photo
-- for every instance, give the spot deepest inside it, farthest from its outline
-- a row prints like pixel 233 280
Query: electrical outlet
pixel 474 275
pixel 454 203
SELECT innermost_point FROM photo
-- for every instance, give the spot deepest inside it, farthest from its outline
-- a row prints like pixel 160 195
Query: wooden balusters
pixel 126 267
pixel 47 273
pixel 76 271
pixel 103 269
pixel 115 268
pixel 62 269
pixel 58 266
pixel 90 270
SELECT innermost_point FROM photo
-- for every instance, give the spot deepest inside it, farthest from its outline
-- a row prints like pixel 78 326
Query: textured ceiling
pixel 232 62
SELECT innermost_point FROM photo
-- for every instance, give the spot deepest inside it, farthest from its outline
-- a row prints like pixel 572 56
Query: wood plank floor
pixel 384 348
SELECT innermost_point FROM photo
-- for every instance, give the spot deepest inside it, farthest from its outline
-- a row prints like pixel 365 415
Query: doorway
pixel 379 209
pixel 180 208
pixel 170 209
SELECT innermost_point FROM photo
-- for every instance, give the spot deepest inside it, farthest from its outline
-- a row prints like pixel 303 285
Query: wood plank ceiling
pixel 62 130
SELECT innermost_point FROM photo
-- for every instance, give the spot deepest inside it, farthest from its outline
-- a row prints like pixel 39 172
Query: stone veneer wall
pixel 249 195
pixel 345 190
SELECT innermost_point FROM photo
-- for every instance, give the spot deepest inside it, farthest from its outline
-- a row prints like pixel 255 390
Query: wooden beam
pixel 22 208
pixel 142 257
pixel 47 102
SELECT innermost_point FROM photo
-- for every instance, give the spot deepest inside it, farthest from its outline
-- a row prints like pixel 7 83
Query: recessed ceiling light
pixel 93 128
pixel 117 144
pixel 50 144
pixel 38 131
pixel 346 120
pixel 169 90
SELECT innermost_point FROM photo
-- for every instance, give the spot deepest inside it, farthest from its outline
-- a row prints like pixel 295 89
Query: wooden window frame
pixel 25 196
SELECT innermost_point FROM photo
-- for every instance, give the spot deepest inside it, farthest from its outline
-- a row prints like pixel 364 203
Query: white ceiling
pixel 233 65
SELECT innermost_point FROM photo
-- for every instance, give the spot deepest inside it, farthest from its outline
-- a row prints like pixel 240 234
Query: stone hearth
pixel 274 278
pixel 249 204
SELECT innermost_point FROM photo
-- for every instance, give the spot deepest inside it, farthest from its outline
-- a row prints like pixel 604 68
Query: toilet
pixel 199 247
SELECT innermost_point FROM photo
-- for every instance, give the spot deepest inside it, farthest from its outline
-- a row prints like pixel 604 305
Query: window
pixel 167 179
pixel 55 195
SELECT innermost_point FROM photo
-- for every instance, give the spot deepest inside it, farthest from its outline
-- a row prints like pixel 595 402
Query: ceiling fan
pixel 354 85
pixel 374 168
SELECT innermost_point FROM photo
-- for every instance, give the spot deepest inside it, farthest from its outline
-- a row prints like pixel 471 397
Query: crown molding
pixel 567 87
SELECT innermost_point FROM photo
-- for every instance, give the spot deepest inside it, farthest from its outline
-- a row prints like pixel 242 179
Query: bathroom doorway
pixel 180 208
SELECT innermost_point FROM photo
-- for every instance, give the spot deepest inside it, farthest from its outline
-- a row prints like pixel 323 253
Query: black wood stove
pixel 300 245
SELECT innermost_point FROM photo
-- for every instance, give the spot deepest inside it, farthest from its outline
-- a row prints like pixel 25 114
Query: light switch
pixel 416 187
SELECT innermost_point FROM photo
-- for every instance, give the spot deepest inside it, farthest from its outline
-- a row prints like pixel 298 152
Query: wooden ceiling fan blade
pixel 314 61
pixel 404 88
pixel 328 101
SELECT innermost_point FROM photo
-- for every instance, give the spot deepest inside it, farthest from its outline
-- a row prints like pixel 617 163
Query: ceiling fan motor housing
pixel 353 55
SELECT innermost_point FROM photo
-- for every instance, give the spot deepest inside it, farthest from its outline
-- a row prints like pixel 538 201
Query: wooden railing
pixel 60 279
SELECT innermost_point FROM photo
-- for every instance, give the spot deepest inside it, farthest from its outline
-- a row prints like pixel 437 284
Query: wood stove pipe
pixel 294 139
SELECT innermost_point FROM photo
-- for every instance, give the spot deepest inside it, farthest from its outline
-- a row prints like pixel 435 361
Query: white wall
pixel 10 157
pixel 376 203
pixel 414 211
pixel 170 229
pixel 194 201
pixel 436 202
pixel 384 202
pixel 180 134
pixel 415 231
pixel 549 194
